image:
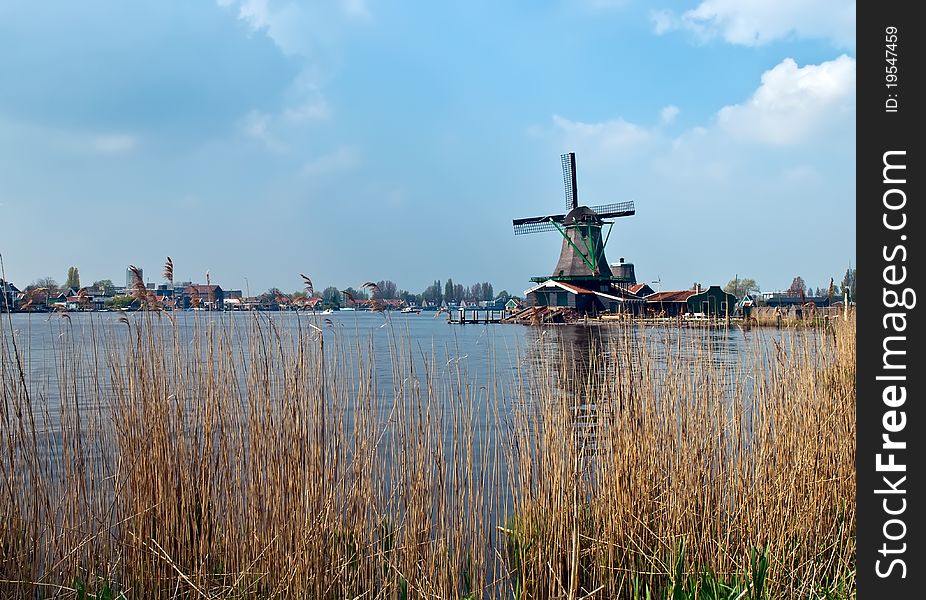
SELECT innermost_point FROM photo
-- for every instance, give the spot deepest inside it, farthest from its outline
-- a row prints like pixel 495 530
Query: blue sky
pixel 361 139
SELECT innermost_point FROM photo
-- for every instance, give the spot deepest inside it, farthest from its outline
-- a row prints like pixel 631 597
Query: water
pixel 488 354
pixel 484 349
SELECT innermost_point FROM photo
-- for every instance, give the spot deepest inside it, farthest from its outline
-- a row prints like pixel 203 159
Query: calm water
pixel 484 352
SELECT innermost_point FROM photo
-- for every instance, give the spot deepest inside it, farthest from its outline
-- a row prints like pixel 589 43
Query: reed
pixel 220 457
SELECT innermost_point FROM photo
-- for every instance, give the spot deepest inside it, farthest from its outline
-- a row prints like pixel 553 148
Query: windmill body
pixel 582 278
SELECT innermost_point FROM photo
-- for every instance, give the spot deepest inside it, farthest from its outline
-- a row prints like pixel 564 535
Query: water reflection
pixel 592 371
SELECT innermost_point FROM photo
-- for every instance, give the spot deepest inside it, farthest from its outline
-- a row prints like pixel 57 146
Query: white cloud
pixel 300 28
pixel 759 22
pixel 668 113
pixel 612 138
pixel 795 111
pixel 664 21
pixel 342 159
pixel 311 33
pixel 793 103
pixel 113 143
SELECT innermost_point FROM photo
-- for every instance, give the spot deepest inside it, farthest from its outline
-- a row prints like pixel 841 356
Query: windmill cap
pixel 581 214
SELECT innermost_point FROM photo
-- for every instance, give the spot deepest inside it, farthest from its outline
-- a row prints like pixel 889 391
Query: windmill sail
pixel 610 211
pixel 536 224
pixel 569 180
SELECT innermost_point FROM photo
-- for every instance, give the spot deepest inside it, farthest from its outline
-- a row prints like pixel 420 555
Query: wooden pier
pixel 475 316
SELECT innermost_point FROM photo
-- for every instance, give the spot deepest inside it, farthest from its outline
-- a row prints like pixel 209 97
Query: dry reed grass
pixel 257 461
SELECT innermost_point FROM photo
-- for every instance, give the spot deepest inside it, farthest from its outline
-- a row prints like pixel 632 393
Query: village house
pixel 209 297
pixel 712 302
pixel 8 294
pixel 608 298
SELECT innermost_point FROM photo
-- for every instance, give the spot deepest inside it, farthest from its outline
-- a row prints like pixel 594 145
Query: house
pixel 306 303
pixel 668 304
pixel 607 298
pixel 745 305
pixel 393 303
pixel 210 297
pixel 56 298
pixel 640 289
pixel 712 302
pixel 512 304
pixel 497 304
pixel 777 300
pixel 8 294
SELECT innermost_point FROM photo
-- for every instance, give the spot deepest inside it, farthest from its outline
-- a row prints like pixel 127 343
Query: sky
pixel 356 140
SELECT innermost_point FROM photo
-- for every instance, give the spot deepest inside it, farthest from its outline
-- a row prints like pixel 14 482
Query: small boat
pixel 327 311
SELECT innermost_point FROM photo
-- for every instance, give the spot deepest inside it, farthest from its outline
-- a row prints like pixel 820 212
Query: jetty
pixel 462 316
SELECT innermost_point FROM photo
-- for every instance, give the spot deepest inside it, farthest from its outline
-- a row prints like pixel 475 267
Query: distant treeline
pixel 435 294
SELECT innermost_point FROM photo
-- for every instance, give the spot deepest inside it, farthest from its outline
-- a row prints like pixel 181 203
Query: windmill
pixel 582 256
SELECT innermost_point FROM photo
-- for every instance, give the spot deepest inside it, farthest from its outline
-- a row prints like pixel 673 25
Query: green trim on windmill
pixel 563 233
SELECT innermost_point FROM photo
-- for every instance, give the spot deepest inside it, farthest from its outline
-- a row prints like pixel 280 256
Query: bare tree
pixel 798 287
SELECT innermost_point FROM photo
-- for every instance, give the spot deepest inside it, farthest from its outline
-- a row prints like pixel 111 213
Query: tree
pixel 487 292
pixel 409 298
pixel 357 295
pixel 848 281
pixel 331 296
pixel 104 285
pixel 387 290
pixel 504 295
pixel 433 293
pixel 739 287
pixel 45 282
pixel 448 290
pixel 120 302
pixel 269 298
pixel 798 287
pixel 73 280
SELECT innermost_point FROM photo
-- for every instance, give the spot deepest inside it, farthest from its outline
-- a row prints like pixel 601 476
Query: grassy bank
pixel 255 461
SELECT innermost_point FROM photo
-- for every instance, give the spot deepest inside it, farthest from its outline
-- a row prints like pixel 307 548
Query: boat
pixel 411 310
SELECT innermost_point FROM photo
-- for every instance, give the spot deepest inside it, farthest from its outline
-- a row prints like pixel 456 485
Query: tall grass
pixel 247 460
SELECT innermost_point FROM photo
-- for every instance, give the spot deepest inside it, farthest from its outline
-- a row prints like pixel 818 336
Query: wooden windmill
pixel 582 258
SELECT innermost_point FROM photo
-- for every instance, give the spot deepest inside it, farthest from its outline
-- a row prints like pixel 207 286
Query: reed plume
pixel 139 291
pixel 169 271
pixel 309 288
pixel 83 297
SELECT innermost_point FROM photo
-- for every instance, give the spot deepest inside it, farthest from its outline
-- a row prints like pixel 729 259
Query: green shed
pixel 712 302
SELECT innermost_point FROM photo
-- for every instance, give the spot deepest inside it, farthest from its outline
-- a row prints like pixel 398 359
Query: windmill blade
pixel 525 228
pixel 610 211
pixel 536 224
pixel 569 180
